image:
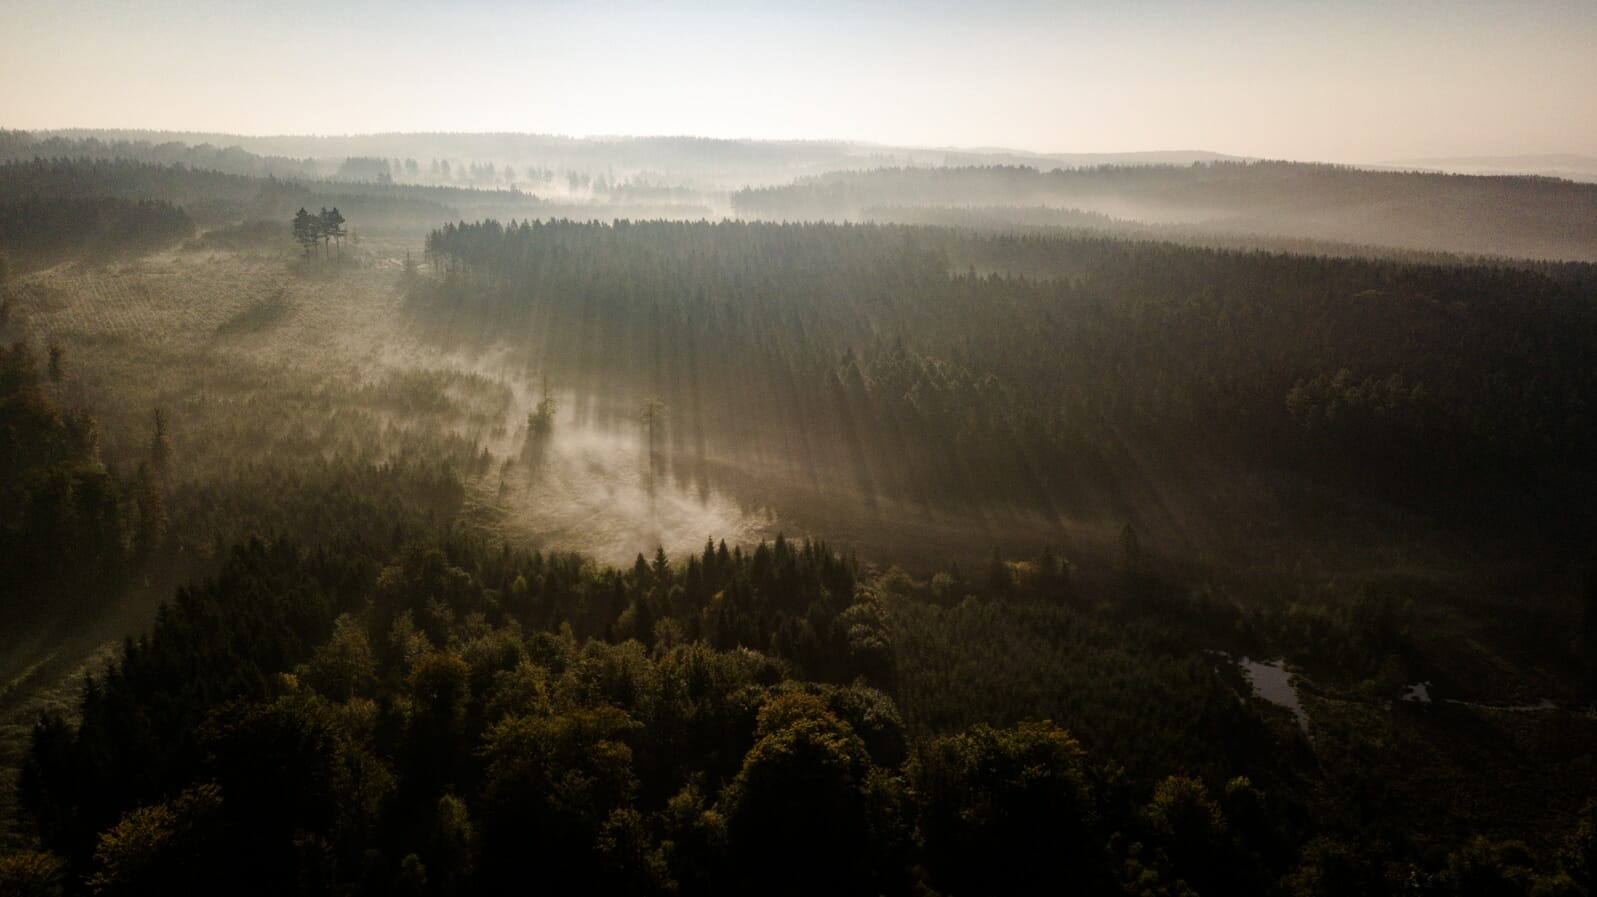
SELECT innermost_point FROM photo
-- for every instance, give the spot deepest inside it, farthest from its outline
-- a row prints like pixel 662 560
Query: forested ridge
pixel 22 146
pixel 216 198
pixel 1467 214
pixel 944 366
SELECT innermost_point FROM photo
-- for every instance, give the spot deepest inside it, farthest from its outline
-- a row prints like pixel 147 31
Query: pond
pixel 1272 682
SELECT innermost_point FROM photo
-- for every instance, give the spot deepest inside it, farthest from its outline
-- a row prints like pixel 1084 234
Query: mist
pixel 718 449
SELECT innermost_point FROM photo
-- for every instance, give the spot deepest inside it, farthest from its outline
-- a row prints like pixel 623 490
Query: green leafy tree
pixel 412 879
pixel 452 847
pixel 694 844
pixel 294 766
pixel 344 666
pixel 632 863
pixel 1008 811
pixel 440 694
pixel 798 817
pixel 1190 827
pixel 553 782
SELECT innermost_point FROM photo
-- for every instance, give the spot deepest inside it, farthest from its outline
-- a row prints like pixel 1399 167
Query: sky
pixel 1331 81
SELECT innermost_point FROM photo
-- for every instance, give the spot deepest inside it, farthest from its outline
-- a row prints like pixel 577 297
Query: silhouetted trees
pixel 333 228
pixel 307 231
pixel 318 229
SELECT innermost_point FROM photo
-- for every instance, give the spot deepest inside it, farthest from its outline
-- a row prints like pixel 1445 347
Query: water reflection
pixel 1272 682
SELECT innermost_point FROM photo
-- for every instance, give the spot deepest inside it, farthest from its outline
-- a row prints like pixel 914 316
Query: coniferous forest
pixel 443 513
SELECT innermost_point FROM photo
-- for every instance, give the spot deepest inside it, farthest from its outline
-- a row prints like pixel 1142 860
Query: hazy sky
pixel 1351 81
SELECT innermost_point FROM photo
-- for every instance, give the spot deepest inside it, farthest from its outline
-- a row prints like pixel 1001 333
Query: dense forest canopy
pixel 933 365
pixel 524 526
pixel 229 158
pixel 106 227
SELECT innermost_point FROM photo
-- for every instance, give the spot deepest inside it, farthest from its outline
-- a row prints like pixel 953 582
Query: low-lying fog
pixel 592 489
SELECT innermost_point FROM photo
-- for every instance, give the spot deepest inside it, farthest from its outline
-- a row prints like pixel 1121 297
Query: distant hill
pixel 413 181
pixel 215 198
pixel 956 157
pixel 1526 217
pixel 1565 165
pixel 688 161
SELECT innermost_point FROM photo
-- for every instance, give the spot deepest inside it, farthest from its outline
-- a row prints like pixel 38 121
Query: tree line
pixel 214 198
pixel 1498 216
pixel 43 231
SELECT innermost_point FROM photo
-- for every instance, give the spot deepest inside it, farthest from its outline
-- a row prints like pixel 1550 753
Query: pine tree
pixel 324 232
pixel 661 568
pixel 307 231
pixel 540 425
pixel 652 411
pixel 333 227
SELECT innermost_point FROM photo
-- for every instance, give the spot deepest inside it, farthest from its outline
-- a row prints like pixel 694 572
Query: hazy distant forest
pixel 494 514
